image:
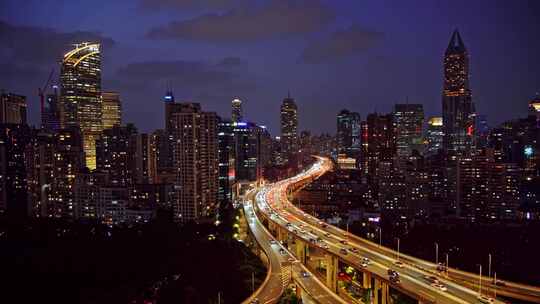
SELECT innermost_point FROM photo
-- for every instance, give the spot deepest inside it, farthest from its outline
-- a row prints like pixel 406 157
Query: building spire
pixel 288 93
pixel 456 44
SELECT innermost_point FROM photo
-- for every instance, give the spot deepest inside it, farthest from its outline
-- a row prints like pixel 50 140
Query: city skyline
pixel 367 77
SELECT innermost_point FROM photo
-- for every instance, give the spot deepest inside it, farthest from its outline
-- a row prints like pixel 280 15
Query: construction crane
pixel 42 92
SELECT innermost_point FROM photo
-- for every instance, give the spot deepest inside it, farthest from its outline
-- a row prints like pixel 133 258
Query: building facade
pixel 80 90
pixel 289 127
pixel 12 108
pixel 408 123
pixel 457 104
pixel 111 109
pixel 348 133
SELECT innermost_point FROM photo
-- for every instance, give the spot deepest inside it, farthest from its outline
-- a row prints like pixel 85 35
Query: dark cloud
pixel 36 45
pixel 190 4
pixel 275 19
pixel 342 43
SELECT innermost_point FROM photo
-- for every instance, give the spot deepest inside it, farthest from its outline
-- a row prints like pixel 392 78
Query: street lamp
pixel 436 253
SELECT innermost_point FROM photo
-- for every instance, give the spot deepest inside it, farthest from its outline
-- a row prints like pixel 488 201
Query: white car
pixel 439 286
pixel 484 299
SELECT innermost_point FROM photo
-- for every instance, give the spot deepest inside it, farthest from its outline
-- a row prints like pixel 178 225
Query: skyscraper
pixel 289 126
pixel 408 121
pixel 12 108
pixel 196 161
pixel 80 102
pixel 378 142
pixel 458 107
pixel 348 133
pixel 226 154
pixel 434 136
pixel 115 153
pixel 111 110
pixel 236 114
pixel 50 118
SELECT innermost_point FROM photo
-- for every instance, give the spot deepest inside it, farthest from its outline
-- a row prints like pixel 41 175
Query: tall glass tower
pixel 458 107
pixel 289 126
pixel 81 102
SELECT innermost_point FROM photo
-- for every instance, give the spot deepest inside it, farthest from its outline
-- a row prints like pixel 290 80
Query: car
pixel 304 274
pixel 325 246
pixel 272 242
pixel 324 225
pixel 364 264
pixel 441 267
pixel 255 301
pixel 484 299
pixel 439 286
pixel 366 260
pixel 398 264
pixel 431 279
pixel 353 250
pixel 327 234
pixel 282 251
pixel 395 279
pixel 291 259
pixel 391 272
pixel 499 283
pixel 343 242
pixel 343 251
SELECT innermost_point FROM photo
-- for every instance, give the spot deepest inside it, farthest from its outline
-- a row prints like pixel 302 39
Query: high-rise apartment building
pixel 80 90
pixel 289 127
pixel 237 114
pixel 378 142
pixel 434 136
pixel 458 107
pixel 111 109
pixel 195 137
pixel 348 133
pixel 227 158
pixel 115 154
pixel 408 122
pixel 12 108
pixel 53 162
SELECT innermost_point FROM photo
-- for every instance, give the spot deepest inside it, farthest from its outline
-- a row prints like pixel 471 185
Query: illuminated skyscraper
pixel 348 133
pixel 236 114
pixel 289 126
pixel 378 143
pixel 80 101
pixel 458 107
pixel 408 121
pixel 111 110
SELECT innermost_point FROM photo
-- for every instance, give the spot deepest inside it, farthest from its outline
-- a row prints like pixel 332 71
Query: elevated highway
pixel 415 281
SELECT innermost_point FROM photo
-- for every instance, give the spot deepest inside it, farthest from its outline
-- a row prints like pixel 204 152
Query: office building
pixel 348 133
pixel 458 107
pixel 80 90
pixel 12 108
pixel 408 122
pixel 434 136
pixel 50 118
pixel 111 110
pixel 289 127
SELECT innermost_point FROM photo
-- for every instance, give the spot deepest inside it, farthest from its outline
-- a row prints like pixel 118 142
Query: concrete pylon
pixel 331 272
pixel 376 287
pixel 301 251
pixel 366 280
pixel 384 293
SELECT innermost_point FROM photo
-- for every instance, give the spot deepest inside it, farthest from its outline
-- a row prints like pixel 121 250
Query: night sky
pixel 354 54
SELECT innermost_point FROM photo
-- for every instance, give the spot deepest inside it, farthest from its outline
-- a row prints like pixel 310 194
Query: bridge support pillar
pixel 366 280
pixel 376 287
pixel 301 251
pixel 385 294
pixel 331 272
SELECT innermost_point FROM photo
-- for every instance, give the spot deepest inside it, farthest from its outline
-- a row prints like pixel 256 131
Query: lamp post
pixel 436 253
